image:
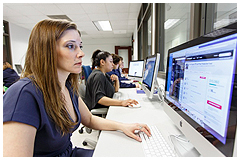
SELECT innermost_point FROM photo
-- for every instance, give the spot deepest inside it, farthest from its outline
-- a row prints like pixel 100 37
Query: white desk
pixel 116 143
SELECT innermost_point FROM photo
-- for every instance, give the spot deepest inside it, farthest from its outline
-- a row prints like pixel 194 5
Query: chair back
pixel 82 87
pixel 87 71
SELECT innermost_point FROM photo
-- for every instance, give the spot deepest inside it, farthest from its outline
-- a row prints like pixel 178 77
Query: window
pixel 226 13
pixel 176 23
pixel 145 31
pixel 176 26
pixel 218 15
pixel 149 36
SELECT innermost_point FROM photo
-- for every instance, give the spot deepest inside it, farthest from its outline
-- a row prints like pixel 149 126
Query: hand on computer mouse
pixel 135 105
pixel 129 102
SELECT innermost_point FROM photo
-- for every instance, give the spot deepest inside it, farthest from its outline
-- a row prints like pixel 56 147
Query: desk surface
pixel 116 143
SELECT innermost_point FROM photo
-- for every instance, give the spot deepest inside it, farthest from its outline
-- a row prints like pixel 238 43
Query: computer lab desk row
pixel 116 143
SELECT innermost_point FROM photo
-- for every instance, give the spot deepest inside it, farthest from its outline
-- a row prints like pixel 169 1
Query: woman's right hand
pixel 137 85
pixel 114 77
pixel 129 102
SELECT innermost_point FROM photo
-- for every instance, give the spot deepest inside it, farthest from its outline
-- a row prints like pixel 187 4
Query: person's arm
pixel 99 123
pixel 18 139
pixel 115 102
pixel 127 85
pixel 115 79
pixel 116 85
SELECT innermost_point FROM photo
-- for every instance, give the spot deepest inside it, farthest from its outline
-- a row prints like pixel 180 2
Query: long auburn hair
pixel 41 67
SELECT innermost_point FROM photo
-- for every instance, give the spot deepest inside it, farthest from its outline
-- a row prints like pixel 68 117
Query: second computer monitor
pixel 150 74
pixel 19 68
pixel 135 70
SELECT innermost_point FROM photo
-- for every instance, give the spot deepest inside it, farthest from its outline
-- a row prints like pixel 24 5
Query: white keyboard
pixel 156 145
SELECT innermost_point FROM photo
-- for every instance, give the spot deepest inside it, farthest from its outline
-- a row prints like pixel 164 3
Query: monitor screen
pixel 19 68
pixel 149 71
pixel 150 74
pixel 135 68
pixel 201 85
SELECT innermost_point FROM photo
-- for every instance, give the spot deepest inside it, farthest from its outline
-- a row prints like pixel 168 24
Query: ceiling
pixel 122 16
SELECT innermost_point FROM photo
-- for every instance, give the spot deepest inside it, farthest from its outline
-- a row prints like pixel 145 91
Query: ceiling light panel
pixel 103 25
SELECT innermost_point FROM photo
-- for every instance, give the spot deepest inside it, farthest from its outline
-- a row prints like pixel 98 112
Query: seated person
pixel 116 71
pixel 124 76
pixel 100 87
pixel 10 76
pixel 43 109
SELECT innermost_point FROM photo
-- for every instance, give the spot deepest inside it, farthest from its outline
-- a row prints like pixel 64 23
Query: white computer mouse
pixel 135 106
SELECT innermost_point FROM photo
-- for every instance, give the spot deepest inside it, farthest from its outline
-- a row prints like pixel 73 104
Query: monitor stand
pixel 155 98
pixel 159 91
pixel 158 96
pixel 183 147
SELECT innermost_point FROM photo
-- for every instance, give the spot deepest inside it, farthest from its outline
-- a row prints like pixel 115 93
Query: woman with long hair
pixel 43 108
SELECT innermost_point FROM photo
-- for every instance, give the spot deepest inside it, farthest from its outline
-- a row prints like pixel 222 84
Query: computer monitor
pixel 19 68
pixel 150 74
pixel 135 70
pixel 200 91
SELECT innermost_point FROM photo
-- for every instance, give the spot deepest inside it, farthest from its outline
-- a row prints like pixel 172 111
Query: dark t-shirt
pixel 9 77
pixel 23 102
pixel 98 85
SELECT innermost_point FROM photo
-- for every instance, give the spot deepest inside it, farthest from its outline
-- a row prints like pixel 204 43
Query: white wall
pixel 106 44
pixel 19 43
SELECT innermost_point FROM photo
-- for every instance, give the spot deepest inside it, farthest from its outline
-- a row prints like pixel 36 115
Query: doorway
pixel 126 53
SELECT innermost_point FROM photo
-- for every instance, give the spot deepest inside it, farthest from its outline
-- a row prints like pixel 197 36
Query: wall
pixel 106 44
pixel 19 42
